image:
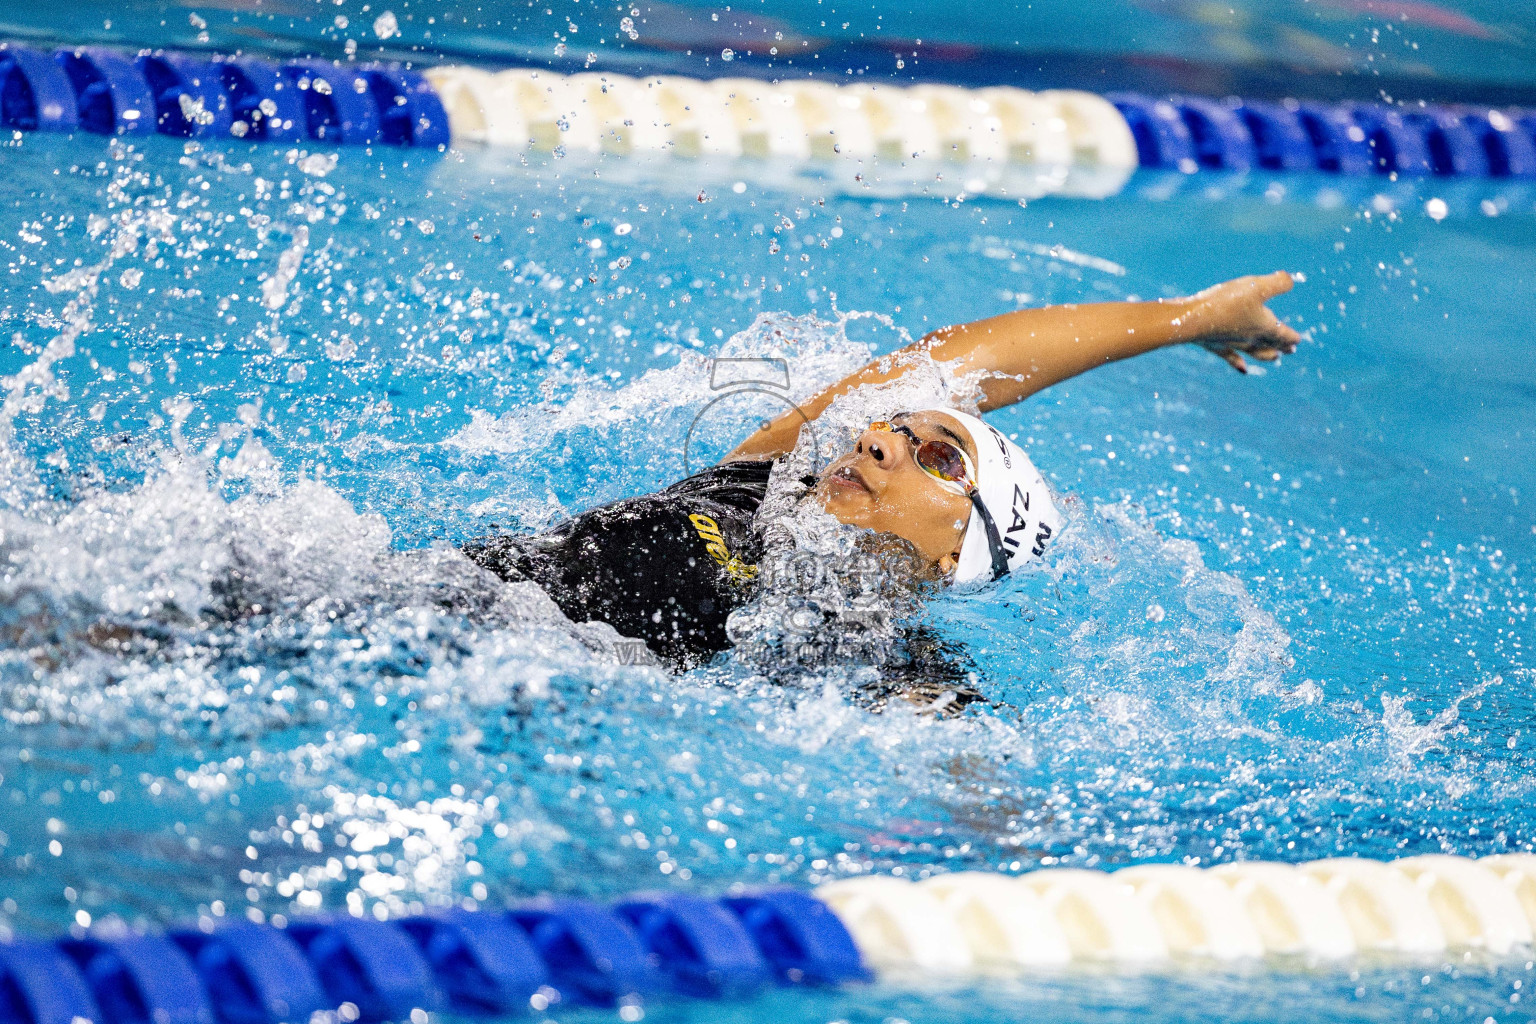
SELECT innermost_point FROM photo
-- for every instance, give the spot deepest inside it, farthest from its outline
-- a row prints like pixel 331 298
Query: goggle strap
pixel 994 539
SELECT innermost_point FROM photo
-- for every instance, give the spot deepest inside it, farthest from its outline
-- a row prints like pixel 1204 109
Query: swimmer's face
pixel 880 486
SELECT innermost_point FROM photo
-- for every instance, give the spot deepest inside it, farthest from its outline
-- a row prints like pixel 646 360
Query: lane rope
pixel 944 928
pixel 886 137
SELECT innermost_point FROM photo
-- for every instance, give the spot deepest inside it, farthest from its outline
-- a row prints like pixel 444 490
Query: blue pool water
pixel 1290 616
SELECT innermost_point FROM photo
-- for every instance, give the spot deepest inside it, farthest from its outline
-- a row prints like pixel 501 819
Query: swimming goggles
pixel 948 463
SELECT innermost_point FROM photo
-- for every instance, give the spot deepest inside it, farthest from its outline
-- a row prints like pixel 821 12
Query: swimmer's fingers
pixel 1268 339
pixel 1277 283
pixel 1271 345
pixel 1282 336
pixel 1231 356
pixel 1269 331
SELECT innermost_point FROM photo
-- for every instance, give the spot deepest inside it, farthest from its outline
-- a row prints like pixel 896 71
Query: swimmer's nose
pixel 884 447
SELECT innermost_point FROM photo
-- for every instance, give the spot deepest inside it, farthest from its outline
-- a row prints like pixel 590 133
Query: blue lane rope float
pixel 111 96
pixel 35 94
pixel 591 952
pixel 262 106
pixel 1188 133
pixel 188 95
pixel 375 966
pixel 702 946
pixel 140 979
pixel 482 962
pixel 39 985
pixel 1340 142
pixel 105 92
pixel 253 974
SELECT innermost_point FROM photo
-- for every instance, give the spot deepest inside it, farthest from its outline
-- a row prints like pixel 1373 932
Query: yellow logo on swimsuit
pixel 714 543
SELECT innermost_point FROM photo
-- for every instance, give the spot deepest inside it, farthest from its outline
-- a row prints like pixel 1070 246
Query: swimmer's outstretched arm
pixel 1029 350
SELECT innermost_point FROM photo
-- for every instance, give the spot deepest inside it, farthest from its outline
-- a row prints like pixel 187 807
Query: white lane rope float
pixel 982 923
pixel 997 140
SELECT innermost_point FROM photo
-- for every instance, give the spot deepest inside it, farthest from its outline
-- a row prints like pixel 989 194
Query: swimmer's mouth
pixel 851 478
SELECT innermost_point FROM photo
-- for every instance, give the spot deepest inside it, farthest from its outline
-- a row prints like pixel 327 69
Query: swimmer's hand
pixel 1231 320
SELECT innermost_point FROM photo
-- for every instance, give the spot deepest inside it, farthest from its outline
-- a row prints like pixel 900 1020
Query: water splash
pixel 1196 671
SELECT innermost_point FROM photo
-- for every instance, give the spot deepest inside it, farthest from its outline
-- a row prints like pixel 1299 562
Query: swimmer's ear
pixel 948 563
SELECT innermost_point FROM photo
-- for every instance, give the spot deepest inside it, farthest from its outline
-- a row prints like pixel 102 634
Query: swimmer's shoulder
pixel 734 473
pixel 757 467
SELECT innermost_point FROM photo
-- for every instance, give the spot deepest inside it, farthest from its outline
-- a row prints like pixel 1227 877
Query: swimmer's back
pixel 666 568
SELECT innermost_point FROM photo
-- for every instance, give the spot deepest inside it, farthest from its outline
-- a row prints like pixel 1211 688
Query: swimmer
pixel 669 568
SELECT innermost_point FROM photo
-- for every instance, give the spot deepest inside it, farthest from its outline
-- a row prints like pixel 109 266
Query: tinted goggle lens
pixel 941 459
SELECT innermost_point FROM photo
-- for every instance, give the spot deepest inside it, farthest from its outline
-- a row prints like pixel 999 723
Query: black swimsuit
pixel 665 568
pixel 669 568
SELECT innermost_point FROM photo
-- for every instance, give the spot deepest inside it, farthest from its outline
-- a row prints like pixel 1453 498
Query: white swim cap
pixel 1015 496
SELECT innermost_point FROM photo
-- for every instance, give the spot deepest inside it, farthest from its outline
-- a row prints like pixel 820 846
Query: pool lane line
pixel 898 138
pixel 961 926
